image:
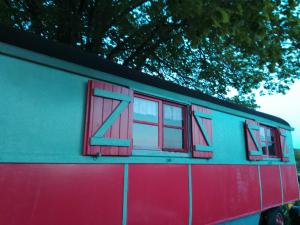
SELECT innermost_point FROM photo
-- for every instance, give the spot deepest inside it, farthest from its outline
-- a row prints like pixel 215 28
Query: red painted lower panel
pixel 34 194
pixel 271 186
pixel 56 194
pixel 289 183
pixel 158 195
pixel 224 191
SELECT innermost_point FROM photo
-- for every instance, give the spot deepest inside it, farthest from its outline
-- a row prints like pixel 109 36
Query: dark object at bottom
pixel 295 215
pixel 273 216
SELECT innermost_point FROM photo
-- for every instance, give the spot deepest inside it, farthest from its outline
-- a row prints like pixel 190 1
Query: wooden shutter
pixel 202 136
pixel 254 150
pixel 283 144
pixel 108 127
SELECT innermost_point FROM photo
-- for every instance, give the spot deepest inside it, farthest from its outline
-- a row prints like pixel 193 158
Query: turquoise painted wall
pixel 42 110
pixel 247 220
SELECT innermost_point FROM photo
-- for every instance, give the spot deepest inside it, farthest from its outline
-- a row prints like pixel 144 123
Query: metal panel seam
pixel 190 195
pixel 125 194
pixel 282 192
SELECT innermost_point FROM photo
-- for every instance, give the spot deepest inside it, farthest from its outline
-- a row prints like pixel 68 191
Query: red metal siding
pixel 224 191
pixel 158 194
pixel 289 183
pixel 56 194
pixel 271 186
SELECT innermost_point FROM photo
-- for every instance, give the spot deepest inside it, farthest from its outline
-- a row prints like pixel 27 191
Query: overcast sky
pixel 286 107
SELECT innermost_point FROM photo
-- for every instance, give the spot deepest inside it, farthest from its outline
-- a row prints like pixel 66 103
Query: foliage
pixel 297 158
pixel 287 219
pixel 213 46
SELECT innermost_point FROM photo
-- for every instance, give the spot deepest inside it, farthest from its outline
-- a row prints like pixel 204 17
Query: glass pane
pixel 172 138
pixel 172 115
pixel 272 138
pixel 145 135
pixel 272 149
pixel 269 134
pixel 145 110
pixel 262 134
pixel 264 148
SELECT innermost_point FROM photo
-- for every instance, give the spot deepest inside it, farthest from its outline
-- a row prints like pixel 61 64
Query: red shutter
pixel 284 149
pixel 202 137
pixel 108 126
pixel 254 151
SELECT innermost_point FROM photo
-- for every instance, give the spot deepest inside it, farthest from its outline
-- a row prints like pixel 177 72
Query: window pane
pixel 272 137
pixel 172 115
pixel 269 134
pixel 262 134
pixel 264 148
pixel 272 149
pixel 145 110
pixel 172 138
pixel 145 135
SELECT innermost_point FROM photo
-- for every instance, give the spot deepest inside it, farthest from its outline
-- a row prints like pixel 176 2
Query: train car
pixel 85 141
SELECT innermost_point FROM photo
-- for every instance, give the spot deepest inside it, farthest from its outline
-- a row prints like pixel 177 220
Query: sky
pixel 286 107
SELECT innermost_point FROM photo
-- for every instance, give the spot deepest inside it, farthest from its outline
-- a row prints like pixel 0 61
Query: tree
pixel 213 46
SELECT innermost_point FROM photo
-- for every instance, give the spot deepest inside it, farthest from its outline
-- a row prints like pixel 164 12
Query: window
pixel 172 127
pixel 262 141
pixel 145 126
pixel 268 141
pixel 158 124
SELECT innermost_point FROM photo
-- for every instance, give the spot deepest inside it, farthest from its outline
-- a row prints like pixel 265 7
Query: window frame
pixel 146 122
pixel 160 124
pixel 276 142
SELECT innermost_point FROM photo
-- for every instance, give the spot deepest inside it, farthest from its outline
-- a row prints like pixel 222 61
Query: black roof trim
pixel 38 44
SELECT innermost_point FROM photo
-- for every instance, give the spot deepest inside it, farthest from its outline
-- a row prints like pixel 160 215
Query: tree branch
pixel 172 68
pixel 17 21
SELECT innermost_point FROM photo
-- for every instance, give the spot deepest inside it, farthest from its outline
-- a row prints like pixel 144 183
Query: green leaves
pixel 222 16
pixel 212 46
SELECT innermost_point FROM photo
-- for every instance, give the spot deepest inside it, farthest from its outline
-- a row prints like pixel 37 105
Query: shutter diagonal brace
pixel 198 116
pixel 251 129
pixel 98 138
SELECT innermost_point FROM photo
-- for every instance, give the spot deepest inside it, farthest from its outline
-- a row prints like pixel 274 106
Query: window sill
pixel 271 159
pixel 159 153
